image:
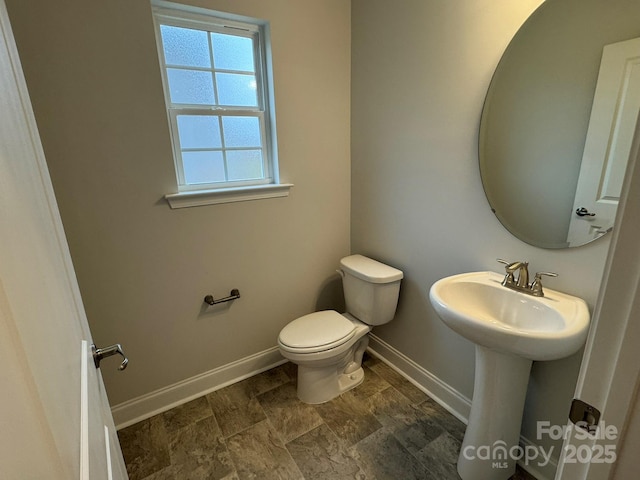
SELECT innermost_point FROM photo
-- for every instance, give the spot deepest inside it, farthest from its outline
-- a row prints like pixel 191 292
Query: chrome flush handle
pixel 100 353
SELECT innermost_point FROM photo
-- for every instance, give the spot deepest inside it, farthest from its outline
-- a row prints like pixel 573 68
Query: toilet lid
pixel 317 331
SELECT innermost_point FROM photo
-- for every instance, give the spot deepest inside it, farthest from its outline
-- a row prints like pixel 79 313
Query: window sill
pixel 226 195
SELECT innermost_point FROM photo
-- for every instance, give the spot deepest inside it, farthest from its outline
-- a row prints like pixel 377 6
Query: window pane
pixel 241 131
pixel 203 167
pixel 199 131
pixel 244 164
pixel 238 90
pixel 185 47
pixel 232 53
pixel 190 86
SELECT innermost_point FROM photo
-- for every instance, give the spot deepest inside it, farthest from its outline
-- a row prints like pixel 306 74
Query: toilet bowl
pixel 328 346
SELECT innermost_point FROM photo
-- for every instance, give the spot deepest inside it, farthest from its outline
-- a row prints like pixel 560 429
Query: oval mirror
pixel 551 165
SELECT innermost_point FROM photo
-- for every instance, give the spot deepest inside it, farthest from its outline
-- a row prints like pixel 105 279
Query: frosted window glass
pixel 199 131
pixel 203 167
pixel 232 53
pixel 241 132
pixel 190 86
pixel 238 90
pixel 244 164
pixel 185 47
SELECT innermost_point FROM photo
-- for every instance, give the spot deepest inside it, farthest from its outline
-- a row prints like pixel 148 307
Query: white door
pixel 608 143
pixel 55 421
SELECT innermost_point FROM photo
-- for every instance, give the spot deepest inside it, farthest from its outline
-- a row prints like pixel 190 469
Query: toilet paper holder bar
pixel 235 293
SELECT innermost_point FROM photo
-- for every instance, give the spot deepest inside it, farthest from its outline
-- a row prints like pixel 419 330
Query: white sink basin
pixel 510 330
pixel 478 307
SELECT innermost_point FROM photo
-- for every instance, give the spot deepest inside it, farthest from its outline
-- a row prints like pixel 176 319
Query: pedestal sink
pixel 510 329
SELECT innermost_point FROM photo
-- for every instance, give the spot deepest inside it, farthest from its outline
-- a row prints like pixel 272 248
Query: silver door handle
pixel 100 353
pixel 583 212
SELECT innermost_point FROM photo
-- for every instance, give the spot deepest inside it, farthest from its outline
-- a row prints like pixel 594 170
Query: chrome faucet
pixel 523 273
pixel 521 283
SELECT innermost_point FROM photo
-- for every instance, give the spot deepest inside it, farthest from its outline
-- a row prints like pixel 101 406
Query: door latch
pixel 100 353
pixel 584 415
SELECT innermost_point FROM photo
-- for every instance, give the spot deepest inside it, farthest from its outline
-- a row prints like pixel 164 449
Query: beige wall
pixel 419 75
pixel 93 75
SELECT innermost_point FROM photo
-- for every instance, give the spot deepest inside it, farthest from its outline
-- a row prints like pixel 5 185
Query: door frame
pixel 610 368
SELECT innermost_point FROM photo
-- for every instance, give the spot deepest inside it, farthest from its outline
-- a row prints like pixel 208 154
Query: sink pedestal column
pixel 488 451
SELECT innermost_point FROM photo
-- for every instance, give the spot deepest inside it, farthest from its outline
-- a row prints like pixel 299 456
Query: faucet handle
pixel 536 286
pixel 512 266
pixel 548 274
pixel 508 278
pixel 506 265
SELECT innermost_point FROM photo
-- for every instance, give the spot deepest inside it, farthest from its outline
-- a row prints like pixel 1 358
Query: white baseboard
pixel 453 401
pixel 148 405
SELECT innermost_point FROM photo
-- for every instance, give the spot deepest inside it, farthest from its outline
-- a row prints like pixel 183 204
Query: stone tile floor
pixel 385 428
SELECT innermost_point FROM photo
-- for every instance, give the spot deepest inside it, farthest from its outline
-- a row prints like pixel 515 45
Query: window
pixel 218 97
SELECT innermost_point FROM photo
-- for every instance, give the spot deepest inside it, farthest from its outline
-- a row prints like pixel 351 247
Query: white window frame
pixel 167 13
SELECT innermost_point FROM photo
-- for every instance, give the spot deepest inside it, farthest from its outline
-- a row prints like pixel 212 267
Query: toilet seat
pixel 316 332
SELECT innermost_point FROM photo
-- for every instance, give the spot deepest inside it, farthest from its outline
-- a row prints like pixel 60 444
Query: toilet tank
pixel 370 288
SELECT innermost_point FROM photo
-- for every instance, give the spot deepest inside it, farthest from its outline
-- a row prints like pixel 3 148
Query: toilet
pixel 328 346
